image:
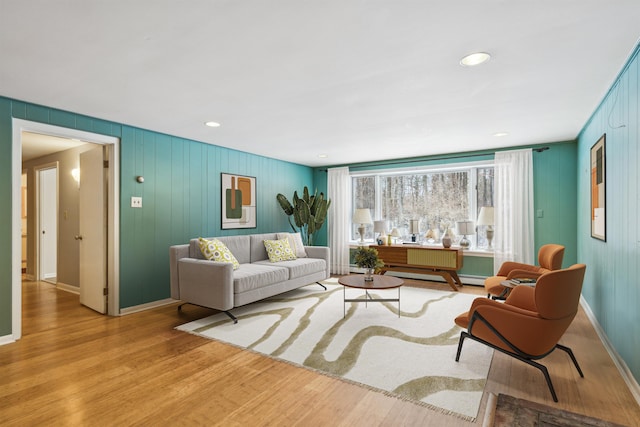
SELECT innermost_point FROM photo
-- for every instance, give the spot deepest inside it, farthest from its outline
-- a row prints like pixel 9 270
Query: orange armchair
pixel 529 324
pixel 549 259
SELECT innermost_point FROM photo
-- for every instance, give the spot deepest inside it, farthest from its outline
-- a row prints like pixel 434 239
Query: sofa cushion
pixel 215 250
pixel 299 267
pixel 295 241
pixel 258 251
pixel 279 250
pixel 239 246
pixel 256 275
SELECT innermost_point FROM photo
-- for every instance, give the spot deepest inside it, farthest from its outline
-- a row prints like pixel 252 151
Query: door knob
pixel 78 237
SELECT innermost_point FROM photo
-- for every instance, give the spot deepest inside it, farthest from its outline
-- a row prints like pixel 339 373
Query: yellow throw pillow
pixel 279 250
pixel 215 250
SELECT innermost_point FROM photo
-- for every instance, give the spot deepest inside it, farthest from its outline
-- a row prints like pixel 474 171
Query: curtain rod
pixel 399 162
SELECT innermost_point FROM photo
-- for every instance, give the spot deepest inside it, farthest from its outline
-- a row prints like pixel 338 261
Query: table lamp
pixel 362 217
pixel 395 234
pixel 414 228
pixel 486 218
pixel 464 228
pixel 380 226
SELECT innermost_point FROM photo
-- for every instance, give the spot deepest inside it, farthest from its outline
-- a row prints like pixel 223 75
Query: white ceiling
pixel 35 145
pixel 356 80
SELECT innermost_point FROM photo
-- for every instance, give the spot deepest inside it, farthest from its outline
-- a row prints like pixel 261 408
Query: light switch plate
pixel 136 202
pixel 540 213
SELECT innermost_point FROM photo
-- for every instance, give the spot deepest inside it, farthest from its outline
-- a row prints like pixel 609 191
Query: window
pixel 436 197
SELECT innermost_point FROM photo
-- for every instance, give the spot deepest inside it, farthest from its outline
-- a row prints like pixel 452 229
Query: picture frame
pixel 238 207
pixel 598 207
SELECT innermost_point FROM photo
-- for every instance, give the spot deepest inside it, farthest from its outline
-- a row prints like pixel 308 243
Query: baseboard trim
pixel 68 288
pixel 627 376
pixel 147 306
pixel 7 339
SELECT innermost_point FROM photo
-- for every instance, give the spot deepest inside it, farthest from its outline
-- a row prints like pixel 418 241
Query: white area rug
pixel 411 356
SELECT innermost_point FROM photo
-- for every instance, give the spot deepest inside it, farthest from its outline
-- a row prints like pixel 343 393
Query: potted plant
pixel 367 258
pixel 308 212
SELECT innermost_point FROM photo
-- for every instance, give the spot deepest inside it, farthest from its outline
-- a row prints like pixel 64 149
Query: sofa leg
pixel 234 318
pixel 325 288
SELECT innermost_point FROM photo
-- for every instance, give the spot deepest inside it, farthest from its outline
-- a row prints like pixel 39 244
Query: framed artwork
pixel 598 190
pixel 238 201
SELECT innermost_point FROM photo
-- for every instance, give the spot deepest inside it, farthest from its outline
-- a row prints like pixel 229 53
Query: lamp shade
pixel 465 227
pixel 380 226
pixel 414 226
pixel 486 215
pixel 395 233
pixel 362 216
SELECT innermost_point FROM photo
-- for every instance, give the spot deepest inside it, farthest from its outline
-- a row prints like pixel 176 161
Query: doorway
pixel 111 150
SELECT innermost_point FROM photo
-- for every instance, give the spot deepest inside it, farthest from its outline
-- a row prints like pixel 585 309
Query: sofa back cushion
pixel 258 251
pixel 238 245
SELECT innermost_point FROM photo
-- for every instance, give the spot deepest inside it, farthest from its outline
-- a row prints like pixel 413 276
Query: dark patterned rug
pixel 512 412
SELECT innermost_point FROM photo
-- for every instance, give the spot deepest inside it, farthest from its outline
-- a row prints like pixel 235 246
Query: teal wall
pixel 5 217
pixel 554 175
pixel 611 286
pixel 181 197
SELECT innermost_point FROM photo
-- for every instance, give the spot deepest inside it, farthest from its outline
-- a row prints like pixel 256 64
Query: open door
pixel 93 230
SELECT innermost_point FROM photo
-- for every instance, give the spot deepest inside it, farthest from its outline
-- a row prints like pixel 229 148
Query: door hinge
pixel 105 291
pixel 105 164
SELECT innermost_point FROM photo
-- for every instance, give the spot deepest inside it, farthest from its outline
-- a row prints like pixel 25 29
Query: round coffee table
pixel 379 282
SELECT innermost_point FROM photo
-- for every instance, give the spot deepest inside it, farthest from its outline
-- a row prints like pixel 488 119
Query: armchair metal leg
pixel 325 288
pixel 463 335
pixel 573 358
pixel 526 360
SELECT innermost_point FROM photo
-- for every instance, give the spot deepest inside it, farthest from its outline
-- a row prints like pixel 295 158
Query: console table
pixel 442 261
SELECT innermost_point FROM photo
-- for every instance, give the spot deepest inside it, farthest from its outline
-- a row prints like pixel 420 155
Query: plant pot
pixel 368 275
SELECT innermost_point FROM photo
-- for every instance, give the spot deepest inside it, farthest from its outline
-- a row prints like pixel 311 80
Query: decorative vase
pixel 446 239
pixel 368 275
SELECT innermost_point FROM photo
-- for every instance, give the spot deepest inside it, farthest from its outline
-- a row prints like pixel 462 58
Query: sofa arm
pixel 321 252
pixel 206 283
pixel 176 253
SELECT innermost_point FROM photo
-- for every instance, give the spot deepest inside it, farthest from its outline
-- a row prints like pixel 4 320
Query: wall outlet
pixel 540 213
pixel 136 202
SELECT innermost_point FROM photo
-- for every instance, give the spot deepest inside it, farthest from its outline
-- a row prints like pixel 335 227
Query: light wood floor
pixel 74 367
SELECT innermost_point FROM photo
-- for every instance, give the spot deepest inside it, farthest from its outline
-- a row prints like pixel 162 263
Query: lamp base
pixel 489 237
pixel 361 232
pixel 465 243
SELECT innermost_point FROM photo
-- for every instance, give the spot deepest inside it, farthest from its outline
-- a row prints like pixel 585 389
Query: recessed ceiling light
pixel 474 59
pixel 212 124
pixel 499 134
pixel 323 156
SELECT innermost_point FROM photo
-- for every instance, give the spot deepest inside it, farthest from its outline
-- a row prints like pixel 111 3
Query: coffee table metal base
pixel 379 282
pixel 366 299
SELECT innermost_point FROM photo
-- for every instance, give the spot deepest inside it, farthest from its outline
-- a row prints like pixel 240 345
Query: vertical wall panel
pixel 611 285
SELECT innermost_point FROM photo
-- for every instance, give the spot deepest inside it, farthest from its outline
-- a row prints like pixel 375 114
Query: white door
pixel 48 221
pixel 93 231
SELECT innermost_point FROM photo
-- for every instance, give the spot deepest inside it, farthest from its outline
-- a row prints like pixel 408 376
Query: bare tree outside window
pixel 437 199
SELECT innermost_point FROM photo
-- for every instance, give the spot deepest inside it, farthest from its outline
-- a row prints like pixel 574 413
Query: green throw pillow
pixel 279 250
pixel 215 250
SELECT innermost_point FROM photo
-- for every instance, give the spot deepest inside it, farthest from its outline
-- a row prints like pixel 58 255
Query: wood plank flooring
pixel 74 367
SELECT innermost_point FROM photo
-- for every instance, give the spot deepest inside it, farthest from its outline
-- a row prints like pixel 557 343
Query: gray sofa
pixel 196 280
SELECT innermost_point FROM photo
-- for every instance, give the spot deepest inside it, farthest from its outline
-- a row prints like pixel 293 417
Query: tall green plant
pixel 308 213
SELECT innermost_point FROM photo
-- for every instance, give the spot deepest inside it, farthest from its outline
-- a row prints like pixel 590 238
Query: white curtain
pixel 339 191
pixel 513 208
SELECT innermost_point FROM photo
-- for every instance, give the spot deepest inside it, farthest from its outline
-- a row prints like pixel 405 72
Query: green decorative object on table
pixel 367 258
